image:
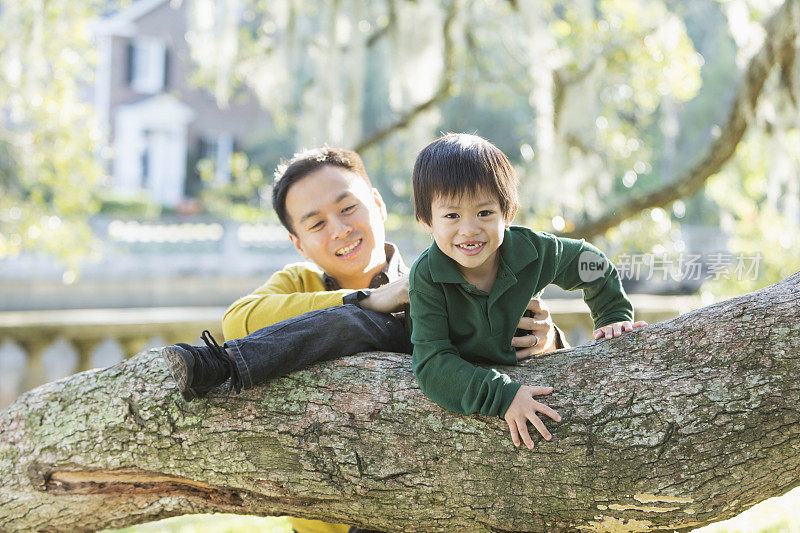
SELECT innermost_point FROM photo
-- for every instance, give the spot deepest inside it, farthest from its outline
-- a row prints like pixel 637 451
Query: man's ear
pixel 378 199
pixel 298 245
pixel 511 214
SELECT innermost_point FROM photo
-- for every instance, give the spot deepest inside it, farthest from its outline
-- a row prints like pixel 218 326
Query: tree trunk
pixel 670 427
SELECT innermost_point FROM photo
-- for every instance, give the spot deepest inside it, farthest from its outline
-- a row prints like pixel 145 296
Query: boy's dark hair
pixel 458 163
pixel 304 163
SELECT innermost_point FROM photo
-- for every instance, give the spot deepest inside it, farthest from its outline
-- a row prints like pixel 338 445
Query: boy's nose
pixel 468 229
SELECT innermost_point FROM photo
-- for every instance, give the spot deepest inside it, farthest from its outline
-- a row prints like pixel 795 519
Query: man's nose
pixel 340 228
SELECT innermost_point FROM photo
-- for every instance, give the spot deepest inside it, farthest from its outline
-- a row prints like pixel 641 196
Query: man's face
pixel 338 224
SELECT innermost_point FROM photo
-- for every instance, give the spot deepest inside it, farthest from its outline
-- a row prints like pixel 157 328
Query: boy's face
pixel 338 223
pixel 469 230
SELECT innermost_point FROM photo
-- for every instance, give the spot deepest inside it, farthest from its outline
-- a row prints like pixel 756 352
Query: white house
pixel 156 123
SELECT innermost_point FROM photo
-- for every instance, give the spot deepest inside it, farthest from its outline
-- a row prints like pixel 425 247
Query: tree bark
pixel 779 48
pixel 670 427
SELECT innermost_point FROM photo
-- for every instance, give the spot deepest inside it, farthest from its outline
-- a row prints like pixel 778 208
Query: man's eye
pixel 316 226
pixel 349 208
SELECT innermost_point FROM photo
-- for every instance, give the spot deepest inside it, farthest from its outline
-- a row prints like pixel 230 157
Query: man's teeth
pixel 348 249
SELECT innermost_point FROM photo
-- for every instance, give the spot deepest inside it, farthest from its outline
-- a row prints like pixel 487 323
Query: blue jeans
pixel 315 336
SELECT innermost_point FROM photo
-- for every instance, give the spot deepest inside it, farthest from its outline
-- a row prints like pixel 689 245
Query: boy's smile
pixel 471 248
pixel 469 230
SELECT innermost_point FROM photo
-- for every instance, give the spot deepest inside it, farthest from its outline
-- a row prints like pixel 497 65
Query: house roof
pixel 122 22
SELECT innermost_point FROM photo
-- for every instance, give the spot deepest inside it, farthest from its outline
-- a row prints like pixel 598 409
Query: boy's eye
pixel 485 213
pixel 451 215
pixel 315 226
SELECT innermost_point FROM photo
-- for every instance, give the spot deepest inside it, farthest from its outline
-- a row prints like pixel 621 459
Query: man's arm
pixel 290 292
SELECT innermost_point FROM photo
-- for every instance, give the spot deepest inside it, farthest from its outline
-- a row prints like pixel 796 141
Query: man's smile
pixel 349 250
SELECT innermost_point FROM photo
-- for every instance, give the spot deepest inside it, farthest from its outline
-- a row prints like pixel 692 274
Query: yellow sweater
pixel 295 290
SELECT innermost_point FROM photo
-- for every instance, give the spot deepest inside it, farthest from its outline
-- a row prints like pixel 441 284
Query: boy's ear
pixel 298 245
pixel 378 199
pixel 511 214
pixel 426 227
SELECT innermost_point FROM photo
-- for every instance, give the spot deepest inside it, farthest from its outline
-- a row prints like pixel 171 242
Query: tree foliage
pixel 48 137
pixel 602 105
pixel 597 103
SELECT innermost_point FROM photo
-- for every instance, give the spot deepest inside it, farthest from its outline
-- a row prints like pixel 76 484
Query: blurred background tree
pixel 616 113
pixel 49 173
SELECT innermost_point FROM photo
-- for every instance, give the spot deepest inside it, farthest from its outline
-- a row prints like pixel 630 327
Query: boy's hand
pixel 616 329
pixel 388 298
pixel 523 409
pixel 543 334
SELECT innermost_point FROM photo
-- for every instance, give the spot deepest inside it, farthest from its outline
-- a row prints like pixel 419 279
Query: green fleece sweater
pixel 456 326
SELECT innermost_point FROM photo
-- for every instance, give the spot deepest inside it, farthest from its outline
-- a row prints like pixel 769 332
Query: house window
pixel 219 149
pixel 147 62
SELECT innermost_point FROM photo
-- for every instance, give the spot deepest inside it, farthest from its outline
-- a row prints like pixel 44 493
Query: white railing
pixel 84 330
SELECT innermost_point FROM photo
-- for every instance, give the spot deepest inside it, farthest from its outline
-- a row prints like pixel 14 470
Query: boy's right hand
pixel 523 409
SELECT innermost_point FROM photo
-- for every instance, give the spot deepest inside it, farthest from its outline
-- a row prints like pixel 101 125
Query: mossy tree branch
pixel 670 427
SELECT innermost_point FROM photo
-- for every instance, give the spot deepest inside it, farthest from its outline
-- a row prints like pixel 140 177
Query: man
pixel 339 305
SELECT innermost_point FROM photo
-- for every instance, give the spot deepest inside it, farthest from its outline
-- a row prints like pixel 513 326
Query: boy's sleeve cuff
pixel 612 319
pixel 509 391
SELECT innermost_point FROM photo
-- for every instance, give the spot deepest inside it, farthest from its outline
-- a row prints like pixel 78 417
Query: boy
pixel 469 288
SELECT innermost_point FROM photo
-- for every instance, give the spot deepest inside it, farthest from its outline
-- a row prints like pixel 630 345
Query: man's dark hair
pixel 459 163
pixel 304 163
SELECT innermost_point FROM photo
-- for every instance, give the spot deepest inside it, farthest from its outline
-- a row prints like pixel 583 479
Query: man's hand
pixel 543 334
pixel 389 298
pixel 523 409
pixel 616 329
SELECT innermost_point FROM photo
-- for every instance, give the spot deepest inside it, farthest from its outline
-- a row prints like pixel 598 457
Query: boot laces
pixel 219 355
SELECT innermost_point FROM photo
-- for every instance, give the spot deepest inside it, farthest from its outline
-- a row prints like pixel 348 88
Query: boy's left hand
pixel 616 329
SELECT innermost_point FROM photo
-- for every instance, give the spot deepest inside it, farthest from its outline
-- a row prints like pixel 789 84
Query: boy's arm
pixel 602 290
pixel 442 374
pixel 289 292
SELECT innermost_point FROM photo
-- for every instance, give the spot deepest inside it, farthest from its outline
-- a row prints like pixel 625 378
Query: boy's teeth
pixel 348 249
